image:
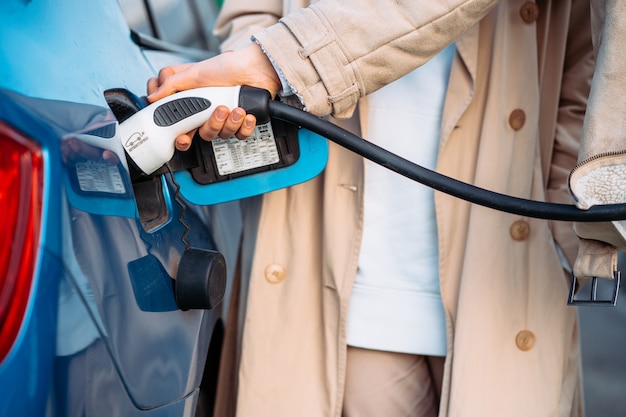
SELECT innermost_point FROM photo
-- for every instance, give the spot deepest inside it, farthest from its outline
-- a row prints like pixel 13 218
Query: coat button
pixel 517 118
pixel 520 230
pixel 274 273
pixel 525 340
pixel 529 12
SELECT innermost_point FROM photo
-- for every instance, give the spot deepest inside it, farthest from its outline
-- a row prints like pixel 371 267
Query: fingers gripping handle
pixel 148 135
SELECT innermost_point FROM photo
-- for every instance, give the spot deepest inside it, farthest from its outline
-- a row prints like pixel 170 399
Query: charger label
pixel 233 155
pixel 99 177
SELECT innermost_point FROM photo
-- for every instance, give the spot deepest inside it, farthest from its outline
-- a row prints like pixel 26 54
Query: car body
pixel 89 319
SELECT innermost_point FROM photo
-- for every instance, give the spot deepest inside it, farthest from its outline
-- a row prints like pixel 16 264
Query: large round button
pixel 274 273
pixel 529 12
pixel 520 230
pixel 517 118
pixel 525 340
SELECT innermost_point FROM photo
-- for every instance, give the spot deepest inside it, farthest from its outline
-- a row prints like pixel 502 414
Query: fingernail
pixel 221 114
pixel 237 116
pixel 248 123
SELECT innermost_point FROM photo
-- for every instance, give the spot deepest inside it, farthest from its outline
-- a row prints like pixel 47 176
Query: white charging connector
pixel 148 135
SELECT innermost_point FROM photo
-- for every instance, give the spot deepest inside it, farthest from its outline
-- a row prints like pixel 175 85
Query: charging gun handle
pixel 255 101
pixel 148 135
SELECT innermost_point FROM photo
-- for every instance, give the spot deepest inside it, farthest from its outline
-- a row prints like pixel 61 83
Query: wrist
pixel 259 70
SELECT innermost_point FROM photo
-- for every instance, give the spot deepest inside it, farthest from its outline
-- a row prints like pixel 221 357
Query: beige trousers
pixel 391 384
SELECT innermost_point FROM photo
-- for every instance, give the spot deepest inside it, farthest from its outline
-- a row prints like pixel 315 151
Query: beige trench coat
pixel 512 122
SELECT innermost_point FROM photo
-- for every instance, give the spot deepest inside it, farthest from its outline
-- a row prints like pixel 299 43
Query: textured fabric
pixel 333 52
pixel 595 259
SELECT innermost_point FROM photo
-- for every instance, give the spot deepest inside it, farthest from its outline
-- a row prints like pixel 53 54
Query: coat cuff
pixel 335 89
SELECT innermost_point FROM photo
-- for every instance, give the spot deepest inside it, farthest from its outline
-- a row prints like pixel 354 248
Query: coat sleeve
pixel 578 67
pixel 604 132
pixel 605 124
pixel 336 51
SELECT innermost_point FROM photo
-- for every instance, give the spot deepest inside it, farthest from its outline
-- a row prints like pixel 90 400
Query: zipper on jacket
pixel 588 161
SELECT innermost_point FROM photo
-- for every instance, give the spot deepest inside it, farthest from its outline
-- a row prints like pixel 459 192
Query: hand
pixel 247 66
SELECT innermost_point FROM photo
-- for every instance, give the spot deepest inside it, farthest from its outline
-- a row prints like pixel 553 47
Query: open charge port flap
pixel 150 198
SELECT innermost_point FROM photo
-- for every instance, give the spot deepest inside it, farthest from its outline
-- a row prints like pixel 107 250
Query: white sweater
pixel 396 303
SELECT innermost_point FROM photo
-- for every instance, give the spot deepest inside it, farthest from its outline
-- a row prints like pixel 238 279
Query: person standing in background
pixel 322 280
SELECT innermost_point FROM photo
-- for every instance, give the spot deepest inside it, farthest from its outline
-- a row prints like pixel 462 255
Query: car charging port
pixel 201 276
pixel 148 189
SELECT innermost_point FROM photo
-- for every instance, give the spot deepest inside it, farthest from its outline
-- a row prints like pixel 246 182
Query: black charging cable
pixel 440 182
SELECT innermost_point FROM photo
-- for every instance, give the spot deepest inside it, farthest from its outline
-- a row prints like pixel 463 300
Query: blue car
pixel 111 282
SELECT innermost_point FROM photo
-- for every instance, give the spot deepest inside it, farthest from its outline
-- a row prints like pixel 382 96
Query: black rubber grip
pixel 176 110
pixel 255 101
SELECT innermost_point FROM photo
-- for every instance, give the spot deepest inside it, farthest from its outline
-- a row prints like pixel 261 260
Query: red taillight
pixel 21 179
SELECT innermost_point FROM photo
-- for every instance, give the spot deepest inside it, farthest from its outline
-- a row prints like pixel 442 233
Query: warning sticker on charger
pixel 233 155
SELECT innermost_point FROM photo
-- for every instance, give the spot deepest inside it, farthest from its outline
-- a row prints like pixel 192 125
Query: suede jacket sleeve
pixel 336 51
pixel 604 134
pixel 605 124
